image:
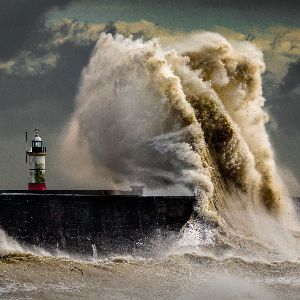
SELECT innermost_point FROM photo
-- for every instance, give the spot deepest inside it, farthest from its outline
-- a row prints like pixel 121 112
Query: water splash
pixel 95 252
pixel 165 117
pixel 8 244
pixel 191 116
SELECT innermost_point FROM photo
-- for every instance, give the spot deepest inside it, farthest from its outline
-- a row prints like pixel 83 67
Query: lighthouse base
pixel 36 186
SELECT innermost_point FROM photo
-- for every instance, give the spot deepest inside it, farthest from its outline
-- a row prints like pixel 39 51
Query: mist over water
pixel 184 119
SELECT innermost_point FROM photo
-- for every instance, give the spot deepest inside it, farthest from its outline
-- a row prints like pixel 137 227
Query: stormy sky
pixel 46 44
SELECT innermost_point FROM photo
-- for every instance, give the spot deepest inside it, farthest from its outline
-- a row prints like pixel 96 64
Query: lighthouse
pixel 35 158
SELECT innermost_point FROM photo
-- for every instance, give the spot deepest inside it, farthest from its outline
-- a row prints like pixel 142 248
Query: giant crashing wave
pixel 190 115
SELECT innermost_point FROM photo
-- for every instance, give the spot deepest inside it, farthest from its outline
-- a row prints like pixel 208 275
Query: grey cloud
pixel 42 53
pixel 253 4
pixel 45 97
pixel 285 105
pixel 18 21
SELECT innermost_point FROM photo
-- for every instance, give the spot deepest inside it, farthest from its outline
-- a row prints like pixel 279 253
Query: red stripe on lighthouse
pixel 36 186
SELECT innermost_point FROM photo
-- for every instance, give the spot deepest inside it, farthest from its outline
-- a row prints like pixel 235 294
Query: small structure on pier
pixel 35 158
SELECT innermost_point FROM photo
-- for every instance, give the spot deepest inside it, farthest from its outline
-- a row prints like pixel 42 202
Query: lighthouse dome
pixel 37 138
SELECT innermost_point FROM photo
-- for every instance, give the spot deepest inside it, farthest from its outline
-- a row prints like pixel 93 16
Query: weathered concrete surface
pixel 75 220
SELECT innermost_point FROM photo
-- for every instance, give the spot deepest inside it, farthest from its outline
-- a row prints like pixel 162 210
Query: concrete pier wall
pixel 73 221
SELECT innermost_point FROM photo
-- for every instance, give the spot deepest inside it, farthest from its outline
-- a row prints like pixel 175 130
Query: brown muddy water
pixel 187 273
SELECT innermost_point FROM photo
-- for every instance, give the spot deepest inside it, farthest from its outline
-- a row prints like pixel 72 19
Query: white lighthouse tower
pixel 36 162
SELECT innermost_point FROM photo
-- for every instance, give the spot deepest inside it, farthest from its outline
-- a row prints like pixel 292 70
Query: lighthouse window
pixel 37 144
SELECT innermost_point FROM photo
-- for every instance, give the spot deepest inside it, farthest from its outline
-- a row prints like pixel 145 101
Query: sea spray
pixel 234 72
pixel 132 119
pixel 95 252
pixel 190 116
pixel 8 245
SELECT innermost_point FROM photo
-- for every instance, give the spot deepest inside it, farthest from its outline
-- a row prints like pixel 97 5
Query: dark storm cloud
pixel 286 102
pixel 291 80
pixel 285 110
pixel 38 100
pixel 248 4
pixel 19 19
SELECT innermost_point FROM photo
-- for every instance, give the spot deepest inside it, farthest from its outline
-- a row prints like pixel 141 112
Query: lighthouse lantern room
pixel 35 158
